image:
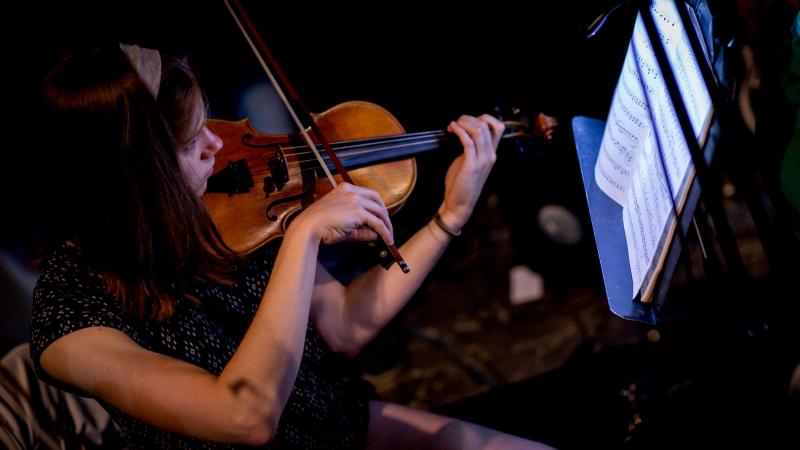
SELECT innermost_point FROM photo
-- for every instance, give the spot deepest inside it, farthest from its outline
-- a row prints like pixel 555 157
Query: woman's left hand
pixel 467 175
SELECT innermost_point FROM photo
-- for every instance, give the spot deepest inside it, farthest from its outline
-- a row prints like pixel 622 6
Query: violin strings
pixel 371 142
pixel 297 158
pixel 353 153
pixel 344 145
pixel 350 149
pixel 376 146
pixel 294 162
pixel 389 138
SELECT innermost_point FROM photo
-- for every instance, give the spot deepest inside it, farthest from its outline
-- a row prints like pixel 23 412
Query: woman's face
pixel 196 159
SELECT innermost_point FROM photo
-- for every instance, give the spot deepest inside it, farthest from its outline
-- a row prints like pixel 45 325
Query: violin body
pixel 262 181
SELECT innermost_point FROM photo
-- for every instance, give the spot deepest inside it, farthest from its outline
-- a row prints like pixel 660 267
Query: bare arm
pixel 348 318
pixel 244 403
pixel 155 388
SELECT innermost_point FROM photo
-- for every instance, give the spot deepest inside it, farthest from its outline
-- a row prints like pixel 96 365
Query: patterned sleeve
pixel 67 298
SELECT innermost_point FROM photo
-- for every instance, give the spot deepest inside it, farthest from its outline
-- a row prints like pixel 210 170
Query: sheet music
pixel 627 128
pixel 642 120
pixel 685 66
pixel 646 214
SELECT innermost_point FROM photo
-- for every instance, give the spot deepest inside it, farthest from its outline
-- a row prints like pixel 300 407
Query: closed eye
pixel 190 145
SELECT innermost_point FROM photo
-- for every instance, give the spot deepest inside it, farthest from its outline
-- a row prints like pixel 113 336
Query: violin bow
pixel 259 48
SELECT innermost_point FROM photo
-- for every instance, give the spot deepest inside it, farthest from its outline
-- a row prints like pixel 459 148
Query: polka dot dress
pixel 326 409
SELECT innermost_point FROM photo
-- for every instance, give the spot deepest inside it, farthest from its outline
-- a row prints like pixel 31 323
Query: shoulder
pixel 70 296
pixel 64 266
pixel 67 281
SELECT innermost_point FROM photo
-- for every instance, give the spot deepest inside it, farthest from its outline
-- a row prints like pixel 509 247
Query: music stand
pixel 606 214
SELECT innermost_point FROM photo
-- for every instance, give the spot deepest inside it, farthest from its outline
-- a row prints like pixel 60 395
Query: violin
pixel 262 181
pixel 267 188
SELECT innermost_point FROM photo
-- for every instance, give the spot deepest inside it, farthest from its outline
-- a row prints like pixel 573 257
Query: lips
pixel 210 168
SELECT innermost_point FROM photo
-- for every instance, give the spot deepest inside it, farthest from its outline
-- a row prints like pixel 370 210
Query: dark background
pixel 575 384
pixel 425 67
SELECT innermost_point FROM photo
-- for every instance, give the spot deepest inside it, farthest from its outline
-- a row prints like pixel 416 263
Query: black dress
pixel 326 409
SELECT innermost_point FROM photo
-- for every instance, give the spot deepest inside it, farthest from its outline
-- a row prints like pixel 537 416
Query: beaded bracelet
pixel 437 219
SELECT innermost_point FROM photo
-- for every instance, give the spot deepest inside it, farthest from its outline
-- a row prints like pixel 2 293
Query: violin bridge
pixel 279 169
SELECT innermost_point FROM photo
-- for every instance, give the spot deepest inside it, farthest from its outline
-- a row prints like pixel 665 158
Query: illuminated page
pixel 627 128
pixel 684 65
pixel 646 217
pixel 644 162
pixel 664 166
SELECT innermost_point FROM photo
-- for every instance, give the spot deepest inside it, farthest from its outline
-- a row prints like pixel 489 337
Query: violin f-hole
pixel 307 190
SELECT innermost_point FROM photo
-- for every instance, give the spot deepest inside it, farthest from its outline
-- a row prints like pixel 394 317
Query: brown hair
pixel 125 203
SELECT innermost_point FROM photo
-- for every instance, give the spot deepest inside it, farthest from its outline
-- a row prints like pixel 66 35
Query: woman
pixel 187 344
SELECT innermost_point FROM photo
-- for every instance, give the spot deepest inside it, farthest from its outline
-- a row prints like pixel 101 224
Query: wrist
pixel 451 220
pixel 302 229
pixel 448 225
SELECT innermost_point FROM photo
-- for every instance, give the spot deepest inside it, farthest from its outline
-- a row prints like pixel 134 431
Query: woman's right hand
pixel 347 213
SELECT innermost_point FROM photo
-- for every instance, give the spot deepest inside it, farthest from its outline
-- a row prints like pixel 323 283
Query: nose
pixel 211 143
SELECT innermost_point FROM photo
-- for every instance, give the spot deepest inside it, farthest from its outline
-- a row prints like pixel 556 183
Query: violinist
pixel 186 343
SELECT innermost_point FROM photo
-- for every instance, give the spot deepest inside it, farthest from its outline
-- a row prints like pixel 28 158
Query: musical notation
pixel 644 161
